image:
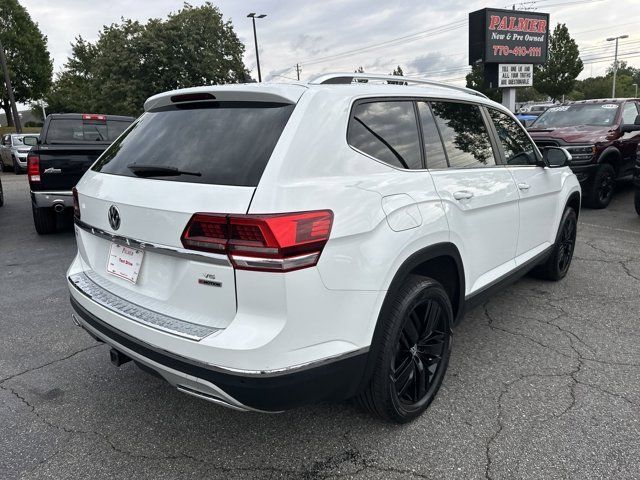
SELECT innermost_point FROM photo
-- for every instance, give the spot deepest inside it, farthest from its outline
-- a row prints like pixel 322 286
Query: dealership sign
pixel 515 75
pixel 501 36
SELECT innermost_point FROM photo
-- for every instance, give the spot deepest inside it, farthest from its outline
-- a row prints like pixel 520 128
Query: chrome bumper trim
pixel 162 249
pixel 49 199
pixel 138 314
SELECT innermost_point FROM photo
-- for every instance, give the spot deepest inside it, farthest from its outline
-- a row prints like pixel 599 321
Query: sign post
pixel 508 43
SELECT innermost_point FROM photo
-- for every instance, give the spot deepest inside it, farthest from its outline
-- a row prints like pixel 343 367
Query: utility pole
pixel 7 82
pixel 298 70
pixel 615 62
pixel 253 17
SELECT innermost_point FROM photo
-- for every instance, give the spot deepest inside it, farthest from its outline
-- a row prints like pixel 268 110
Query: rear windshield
pixel 221 143
pixel 76 130
pixel 591 114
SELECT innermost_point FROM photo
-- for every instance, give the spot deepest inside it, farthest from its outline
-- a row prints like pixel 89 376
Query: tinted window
pixel 433 148
pixel 228 143
pixel 629 113
pixel 464 134
pixel 387 131
pixel 594 114
pixel 518 148
pixel 62 130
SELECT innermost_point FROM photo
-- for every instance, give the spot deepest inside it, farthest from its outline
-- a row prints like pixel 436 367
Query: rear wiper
pixel 159 171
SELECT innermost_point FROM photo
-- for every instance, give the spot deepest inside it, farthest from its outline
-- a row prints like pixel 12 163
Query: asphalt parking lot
pixel 544 382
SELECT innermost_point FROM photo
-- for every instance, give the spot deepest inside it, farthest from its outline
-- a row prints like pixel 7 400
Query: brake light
pixel 94 116
pixel 33 168
pixel 273 242
pixel 76 204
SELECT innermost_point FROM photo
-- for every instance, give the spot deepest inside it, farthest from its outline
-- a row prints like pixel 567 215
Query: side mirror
pixel 30 141
pixel 635 127
pixel 555 157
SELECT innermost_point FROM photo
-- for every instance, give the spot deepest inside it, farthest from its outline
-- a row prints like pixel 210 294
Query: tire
pixel 637 200
pixel 16 168
pixel 557 265
pixel 44 220
pixel 1 196
pixel 600 190
pixel 414 347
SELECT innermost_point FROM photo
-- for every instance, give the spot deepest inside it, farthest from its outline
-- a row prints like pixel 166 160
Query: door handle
pixel 524 186
pixel 462 195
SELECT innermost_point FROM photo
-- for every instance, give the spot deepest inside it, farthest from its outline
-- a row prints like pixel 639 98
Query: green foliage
pixel 359 70
pixel 557 77
pixel 398 71
pixel 132 61
pixel 475 80
pixel 25 47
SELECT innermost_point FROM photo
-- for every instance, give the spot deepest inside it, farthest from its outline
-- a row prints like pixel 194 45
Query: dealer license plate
pixel 124 262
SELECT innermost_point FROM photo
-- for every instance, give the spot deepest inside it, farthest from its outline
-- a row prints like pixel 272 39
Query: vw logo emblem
pixel 114 217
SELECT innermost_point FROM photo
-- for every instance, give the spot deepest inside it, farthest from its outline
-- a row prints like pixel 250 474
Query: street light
pixel 615 62
pixel 253 17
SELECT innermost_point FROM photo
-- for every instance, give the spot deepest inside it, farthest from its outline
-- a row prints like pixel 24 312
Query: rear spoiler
pixel 248 92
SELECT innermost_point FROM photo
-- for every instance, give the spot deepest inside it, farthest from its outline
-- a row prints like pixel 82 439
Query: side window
pixel 433 148
pixel 464 134
pixel 388 131
pixel 629 113
pixel 518 148
pixel 6 140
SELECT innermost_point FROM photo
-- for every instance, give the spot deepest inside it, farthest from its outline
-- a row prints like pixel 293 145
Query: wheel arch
pixel 574 201
pixel 612 156
pixel 435 261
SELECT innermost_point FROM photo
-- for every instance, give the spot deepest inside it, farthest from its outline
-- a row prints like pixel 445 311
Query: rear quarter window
pixel 227 143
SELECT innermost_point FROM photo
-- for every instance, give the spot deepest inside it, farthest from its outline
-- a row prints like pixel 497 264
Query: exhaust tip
pixel 118 358
pixel 75 320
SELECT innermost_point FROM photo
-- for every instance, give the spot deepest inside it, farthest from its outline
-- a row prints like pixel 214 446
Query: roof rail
pixel 347 78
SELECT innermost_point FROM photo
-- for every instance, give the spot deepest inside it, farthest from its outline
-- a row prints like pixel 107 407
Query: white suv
pixel 263 246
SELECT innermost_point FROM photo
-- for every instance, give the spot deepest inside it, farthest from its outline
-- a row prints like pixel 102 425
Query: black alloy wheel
pixel 410 351
pixel 418 358
pixel 605 188
pixel 566 244
pixel 557 264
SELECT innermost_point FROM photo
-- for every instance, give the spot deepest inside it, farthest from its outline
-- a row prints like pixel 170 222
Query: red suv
pixel 602 137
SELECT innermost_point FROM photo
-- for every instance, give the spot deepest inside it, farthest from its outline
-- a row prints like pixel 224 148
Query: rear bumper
pixel 51 199
pixel 330 379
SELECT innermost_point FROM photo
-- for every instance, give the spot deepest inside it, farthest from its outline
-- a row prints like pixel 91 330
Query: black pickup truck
pixel 68 145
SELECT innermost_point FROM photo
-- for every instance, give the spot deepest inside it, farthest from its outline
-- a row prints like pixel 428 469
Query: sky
pixel 427 38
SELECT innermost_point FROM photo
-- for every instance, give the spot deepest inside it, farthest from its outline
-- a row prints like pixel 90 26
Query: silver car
pixel 14 149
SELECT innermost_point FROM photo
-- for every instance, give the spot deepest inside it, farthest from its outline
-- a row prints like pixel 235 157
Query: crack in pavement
pixel 573 374
pixel 52 362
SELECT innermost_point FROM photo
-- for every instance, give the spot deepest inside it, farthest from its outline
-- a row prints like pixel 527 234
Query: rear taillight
pixel 274 242
pixel 33 168
pixel 76 203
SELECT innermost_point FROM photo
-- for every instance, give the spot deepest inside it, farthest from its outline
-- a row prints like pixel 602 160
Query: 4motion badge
pixel 209 279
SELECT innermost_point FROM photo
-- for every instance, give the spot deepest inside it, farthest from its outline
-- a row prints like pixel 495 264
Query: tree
pixel 398 71
pixel 475 80
pixel 132 61
pixel 557 77
pixel 28 60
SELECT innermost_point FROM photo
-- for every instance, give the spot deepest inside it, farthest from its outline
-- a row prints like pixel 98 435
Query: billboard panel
pixel 508 36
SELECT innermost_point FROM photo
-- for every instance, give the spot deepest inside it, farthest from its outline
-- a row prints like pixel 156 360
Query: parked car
pixel 263 246
pixel 602 137
pixel 527 114
pixel 69 143
pixel 14 149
